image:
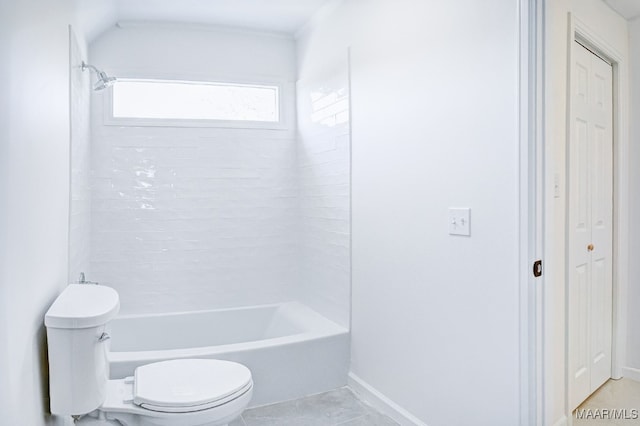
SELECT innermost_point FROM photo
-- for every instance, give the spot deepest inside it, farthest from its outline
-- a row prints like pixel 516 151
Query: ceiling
pixel 629 9
pixel 268 15
pixel 285 16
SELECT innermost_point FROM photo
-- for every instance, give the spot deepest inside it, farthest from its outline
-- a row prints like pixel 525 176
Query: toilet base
pixel 88 420
pixel 98 418
pixel 142 421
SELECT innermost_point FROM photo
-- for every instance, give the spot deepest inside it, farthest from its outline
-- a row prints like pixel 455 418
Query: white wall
pixel 633 327
pixel 80 205
pixel 5 105
pixel 434 125
pixel 323 163
pixel 613 30
pixel 34 208
pixel 194 218
pixel 34 191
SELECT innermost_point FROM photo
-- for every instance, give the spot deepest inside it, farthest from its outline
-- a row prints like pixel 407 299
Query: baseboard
pixel 631 373
pixel 376 399
pixel 561 422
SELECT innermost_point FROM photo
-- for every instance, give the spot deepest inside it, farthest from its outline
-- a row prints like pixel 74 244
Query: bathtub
pixel 292 351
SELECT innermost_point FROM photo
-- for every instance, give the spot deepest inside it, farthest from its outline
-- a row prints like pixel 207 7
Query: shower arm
pixel 91 67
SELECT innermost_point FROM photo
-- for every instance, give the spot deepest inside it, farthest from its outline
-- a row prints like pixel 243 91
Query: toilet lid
pixel 189 384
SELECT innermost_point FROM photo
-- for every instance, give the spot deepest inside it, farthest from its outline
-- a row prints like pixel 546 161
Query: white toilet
pixel 185 392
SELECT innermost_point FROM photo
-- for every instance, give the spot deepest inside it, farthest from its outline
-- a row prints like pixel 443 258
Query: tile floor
pixel 337 407
pixel 621 394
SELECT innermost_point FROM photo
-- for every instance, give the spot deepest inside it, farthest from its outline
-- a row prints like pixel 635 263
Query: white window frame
pixel 283 96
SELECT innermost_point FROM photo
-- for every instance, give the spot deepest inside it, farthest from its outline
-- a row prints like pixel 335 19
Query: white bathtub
pixel 292 351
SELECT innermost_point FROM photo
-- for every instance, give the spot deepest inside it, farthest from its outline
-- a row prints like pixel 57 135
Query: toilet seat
pixel 185 385
pixel 201 407
pixel 120 404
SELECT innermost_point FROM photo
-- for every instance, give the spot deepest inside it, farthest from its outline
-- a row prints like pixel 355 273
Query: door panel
pixel 602 219
pixel 590 224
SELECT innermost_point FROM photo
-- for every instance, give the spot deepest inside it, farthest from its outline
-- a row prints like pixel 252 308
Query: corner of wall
pixel 633 321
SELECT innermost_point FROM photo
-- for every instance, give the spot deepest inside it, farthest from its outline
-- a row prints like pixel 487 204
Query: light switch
pixel 459 221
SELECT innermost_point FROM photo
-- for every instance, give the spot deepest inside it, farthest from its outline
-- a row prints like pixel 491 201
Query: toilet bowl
pixel 183 392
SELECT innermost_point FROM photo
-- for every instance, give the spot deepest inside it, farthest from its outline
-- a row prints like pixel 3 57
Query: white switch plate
pixel 459 221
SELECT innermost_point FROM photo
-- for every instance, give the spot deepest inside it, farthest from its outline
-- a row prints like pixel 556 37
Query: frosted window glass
pixel 188 100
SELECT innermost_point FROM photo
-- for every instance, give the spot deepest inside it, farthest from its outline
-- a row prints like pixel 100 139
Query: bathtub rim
pixel 203 311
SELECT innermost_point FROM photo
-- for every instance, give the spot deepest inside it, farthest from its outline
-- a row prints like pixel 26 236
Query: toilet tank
pixel 76 325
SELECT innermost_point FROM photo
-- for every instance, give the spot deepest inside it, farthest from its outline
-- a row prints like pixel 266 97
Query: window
pixel 154 102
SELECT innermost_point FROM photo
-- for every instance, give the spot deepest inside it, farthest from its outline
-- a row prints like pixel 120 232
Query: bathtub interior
pixel 184 330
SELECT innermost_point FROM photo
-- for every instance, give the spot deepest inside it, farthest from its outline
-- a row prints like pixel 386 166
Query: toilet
pixel 182 392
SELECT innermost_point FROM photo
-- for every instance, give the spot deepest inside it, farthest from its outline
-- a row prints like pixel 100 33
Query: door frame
pixel 531 207
pixel 579 31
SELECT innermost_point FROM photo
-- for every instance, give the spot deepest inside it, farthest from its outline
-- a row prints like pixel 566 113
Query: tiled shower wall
pixel 194 218
pixel 324 190
pixel 199 218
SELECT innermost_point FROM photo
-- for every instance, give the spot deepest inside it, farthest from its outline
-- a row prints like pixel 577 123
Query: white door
pixel 590 224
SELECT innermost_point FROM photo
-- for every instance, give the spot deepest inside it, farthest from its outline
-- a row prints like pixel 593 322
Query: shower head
pixel 104 80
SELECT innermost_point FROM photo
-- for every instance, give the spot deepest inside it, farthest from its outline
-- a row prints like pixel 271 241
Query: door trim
pixel 531 207
pixel 582 33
